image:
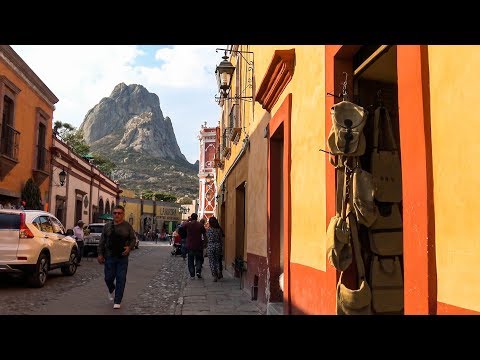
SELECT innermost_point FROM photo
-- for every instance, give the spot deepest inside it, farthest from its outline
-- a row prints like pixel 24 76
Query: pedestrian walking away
pixel 78 235
pixel 214 247
pixel 116 242
pixel 195 243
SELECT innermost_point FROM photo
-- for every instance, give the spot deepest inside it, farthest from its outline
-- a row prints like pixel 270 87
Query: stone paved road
pixel 154 283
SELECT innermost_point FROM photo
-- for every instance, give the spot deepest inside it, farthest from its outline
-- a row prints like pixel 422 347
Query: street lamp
pixel 224 72
pixel 62 176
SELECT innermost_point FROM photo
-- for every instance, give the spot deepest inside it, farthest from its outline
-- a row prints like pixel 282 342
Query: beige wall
pixel 454 77
pixel 78 178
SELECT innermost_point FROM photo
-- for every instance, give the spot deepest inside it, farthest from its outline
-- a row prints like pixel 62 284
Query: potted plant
pixel 239 266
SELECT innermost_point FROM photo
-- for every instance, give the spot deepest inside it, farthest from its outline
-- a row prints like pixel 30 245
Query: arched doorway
pixel 101 207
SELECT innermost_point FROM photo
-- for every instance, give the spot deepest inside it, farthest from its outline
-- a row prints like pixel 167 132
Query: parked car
pixel 34 242
pixel 92 239
pixel 137 240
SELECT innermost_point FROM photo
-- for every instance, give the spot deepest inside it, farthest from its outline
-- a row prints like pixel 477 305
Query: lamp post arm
pixel 241 52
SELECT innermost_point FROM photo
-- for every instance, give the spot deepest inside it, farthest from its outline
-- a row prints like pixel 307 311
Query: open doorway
pixel 276 223
pixel 78 210
pixel 223 224
pixel 240 221
pixel 375 88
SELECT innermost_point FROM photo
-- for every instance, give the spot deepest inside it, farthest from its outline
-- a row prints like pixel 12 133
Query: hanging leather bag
pixel 386 233
pixel 346 134
pixel 354 301
pixel 385 163
pixel 363 201
pixel 387 285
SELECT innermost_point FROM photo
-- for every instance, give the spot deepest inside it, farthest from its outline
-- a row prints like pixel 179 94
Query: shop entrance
pixel 276 214
pixel 375 88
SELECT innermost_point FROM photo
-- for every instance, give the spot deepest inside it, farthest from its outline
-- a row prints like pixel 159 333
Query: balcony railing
pixel 43 158
pixel 9 142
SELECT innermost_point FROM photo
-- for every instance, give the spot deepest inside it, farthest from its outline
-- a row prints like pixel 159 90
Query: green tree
pixel 72 137
pixel 159 196
pixel 31 195
pixel 105 165
pixel 75 139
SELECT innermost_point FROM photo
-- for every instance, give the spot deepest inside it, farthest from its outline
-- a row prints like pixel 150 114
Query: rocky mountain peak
pixel 119 118
pixel 128 127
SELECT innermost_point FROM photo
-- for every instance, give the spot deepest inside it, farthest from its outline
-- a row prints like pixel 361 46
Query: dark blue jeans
pixel 116 270
pixel 184 248
pixel 196 255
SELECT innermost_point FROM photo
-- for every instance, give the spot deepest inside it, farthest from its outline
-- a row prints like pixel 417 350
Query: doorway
pixel 417 212
pixel 240 221
pixel 223 224
pixel 276 213
pixel 78 210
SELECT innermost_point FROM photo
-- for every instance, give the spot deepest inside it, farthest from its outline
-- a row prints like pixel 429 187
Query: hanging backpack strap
pixel 357 251
pixel 381 110
pixel 346 188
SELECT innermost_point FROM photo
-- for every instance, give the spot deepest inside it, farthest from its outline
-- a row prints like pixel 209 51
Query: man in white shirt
pixel 78 235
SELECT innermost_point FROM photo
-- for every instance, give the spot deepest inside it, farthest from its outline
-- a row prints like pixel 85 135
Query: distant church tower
pixel 206 172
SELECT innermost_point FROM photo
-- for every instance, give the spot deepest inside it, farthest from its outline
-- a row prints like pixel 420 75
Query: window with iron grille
pixel 234 124
pixel 10 136
pixel 225 143
pixel 43 154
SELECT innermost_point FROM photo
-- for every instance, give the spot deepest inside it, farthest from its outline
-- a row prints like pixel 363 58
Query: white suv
pixel 91 241
pixel 34 242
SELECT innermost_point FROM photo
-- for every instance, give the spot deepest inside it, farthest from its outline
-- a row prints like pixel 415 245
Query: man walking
pixel 195 243
pixel 116 242
pixel 78 235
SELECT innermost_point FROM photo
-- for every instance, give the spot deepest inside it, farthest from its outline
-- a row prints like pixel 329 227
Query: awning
pixel 106 217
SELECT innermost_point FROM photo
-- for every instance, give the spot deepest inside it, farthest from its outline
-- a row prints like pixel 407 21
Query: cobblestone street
pixel 157 284
pixel 153 287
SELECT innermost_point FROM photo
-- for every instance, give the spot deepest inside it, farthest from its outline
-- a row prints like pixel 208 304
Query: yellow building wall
pixel 308 243
pixel 26 103
pixel 454 95
pixel 307 176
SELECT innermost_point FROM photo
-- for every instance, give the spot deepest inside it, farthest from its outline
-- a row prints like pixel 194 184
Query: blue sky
pixel 183 77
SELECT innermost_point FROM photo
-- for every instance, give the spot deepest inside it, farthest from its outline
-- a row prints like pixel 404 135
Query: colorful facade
pixel 149 215
pixel 206 173
pixel 27 106
pixel 277 181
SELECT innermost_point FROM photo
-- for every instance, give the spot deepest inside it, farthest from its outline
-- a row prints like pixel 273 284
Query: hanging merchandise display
pixel 354 200
pixel 386 233
pixel 385 160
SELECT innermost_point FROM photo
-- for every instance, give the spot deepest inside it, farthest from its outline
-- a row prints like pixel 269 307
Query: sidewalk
pixel 205 297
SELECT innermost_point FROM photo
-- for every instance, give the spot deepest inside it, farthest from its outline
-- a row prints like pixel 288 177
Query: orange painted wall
pixel 25 122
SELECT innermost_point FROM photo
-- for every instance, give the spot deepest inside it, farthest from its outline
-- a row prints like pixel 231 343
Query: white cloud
pixel 81 75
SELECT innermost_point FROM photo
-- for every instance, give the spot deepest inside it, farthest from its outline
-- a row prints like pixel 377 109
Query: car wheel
pixel 71 268
pixel 39 276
